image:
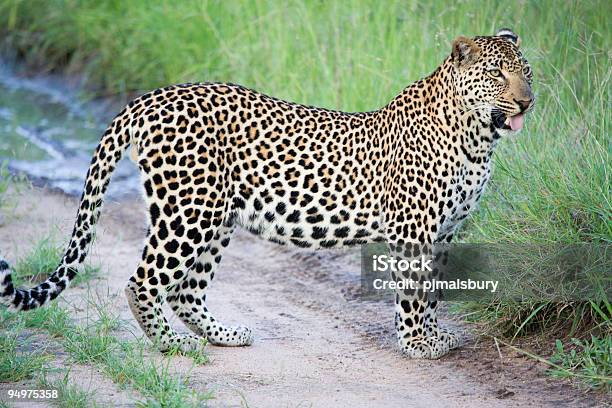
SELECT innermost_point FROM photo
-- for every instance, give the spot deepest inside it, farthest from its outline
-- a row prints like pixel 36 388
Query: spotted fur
pixel 212 156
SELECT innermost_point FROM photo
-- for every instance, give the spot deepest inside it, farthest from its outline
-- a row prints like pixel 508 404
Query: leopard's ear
pixel 508 34
pixel 465 52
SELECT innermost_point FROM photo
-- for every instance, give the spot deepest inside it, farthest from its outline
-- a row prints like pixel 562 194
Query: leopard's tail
pixel 112 145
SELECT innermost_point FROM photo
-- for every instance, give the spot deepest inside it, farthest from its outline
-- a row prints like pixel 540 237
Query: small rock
pixel 503 393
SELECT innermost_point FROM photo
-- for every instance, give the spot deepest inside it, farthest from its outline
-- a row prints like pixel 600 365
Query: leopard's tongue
pixel 516 121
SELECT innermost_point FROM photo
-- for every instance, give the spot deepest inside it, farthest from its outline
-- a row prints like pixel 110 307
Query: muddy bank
pixel 316 344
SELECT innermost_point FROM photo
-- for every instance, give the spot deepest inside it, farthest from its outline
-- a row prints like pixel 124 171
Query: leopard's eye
pixel 495 73
pixel 526 71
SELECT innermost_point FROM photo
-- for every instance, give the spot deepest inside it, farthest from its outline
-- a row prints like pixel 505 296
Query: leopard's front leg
pixel 433 329
pixel 439 272
pixel 416 339
pixel 412 237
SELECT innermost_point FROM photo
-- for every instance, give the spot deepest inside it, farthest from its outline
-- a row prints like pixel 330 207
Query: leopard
pixel 216 156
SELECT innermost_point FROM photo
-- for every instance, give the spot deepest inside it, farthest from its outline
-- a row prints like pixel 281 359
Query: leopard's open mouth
pixel 502 121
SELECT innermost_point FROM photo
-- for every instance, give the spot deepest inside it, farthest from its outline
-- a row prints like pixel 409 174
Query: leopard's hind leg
pixel 188 299
pixel 179 235
pixel 146 291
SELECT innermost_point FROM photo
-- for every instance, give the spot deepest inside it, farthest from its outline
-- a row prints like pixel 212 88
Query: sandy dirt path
pixel 316 342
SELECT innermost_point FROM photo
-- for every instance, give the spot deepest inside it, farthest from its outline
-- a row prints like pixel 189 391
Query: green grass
pixel 21 355
pixel 125 362
pixel 53 319
pixel 159 385
pixel 17 365
pixel 69 396
pixel 42 260
pixel 199 357
pixel 551 183
pixel 591 358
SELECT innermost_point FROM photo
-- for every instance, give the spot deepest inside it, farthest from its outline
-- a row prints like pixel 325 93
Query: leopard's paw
pixel 449 338
pixel 430 348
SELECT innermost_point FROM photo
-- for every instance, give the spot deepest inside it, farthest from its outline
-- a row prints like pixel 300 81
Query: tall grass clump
pixel 552 182
pixel 41 261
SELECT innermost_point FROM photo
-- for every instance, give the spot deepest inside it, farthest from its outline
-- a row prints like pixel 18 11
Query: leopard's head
pixel 492 77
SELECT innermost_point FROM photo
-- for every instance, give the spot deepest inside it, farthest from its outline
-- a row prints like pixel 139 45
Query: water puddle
pixel 49 134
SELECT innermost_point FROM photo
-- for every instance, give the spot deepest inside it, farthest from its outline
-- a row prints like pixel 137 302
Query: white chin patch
pixel 507 132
